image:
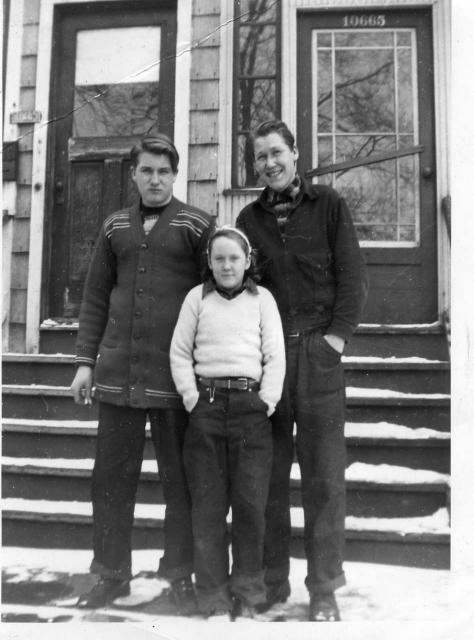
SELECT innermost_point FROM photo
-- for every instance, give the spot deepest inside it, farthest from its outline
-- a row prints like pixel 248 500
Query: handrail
pixel 360 162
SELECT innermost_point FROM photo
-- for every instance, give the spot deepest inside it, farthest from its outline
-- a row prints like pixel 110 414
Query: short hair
pixel 274 126
pixel 160 145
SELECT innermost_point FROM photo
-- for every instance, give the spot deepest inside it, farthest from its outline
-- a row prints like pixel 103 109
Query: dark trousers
pixel 314 399
pixel 227 456
pixel 119 455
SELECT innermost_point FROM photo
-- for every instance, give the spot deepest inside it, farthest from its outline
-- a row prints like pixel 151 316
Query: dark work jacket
pixel 133 293
pixel 315 270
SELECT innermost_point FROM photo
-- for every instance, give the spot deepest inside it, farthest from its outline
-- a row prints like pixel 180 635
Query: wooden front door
pixel 113 81
pixel 366 127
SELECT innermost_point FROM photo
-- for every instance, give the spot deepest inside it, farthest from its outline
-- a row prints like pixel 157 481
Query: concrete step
pixel 410 409
pixel 363 405
pixel 372 490
pixel 403 341
pixel 409 375
pixel 419 541
pixel 384 340
pixel 399 374
pixel 395 444
pixel 370 443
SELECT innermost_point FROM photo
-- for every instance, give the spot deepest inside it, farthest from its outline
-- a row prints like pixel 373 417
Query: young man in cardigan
pixel 146 259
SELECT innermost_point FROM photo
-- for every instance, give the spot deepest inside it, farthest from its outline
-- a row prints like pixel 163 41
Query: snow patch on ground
pixel 374 592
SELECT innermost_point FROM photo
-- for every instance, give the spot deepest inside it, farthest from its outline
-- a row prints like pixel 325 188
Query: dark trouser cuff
pixel 174 573
pixel 328 586
pixel 123 573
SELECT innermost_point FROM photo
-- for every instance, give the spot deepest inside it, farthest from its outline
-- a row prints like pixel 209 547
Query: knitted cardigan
pixel 134 289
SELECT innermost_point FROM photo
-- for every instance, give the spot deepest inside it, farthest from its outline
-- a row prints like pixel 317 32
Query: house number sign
pixel 364 20
pixel 25 117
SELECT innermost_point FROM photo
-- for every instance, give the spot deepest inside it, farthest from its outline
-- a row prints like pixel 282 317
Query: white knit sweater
pixel 217 337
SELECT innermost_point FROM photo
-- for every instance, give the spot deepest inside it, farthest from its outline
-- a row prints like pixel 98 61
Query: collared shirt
pixel 210 285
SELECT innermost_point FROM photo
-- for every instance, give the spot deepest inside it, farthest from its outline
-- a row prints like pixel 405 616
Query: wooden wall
pixel 21 221
pixel 204 105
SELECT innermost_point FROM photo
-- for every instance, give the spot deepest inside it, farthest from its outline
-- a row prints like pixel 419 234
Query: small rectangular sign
pixel 25 117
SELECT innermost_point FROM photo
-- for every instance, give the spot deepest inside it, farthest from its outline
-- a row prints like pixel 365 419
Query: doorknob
pixel 427 172
pixel 59 191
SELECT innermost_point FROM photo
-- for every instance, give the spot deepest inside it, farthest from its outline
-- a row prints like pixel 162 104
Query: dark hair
pixel 233 234
pixel 160 145
pixel 274 126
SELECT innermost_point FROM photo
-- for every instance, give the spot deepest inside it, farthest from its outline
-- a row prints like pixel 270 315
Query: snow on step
pixel 387 430
pixel 385 474
pixel 390 360
pixel 393 474
pixel 362 392
pixel 437 523
pixel 420 326
pixel 53 424
pixel 149 466
pixel 73 508
pixel 36 389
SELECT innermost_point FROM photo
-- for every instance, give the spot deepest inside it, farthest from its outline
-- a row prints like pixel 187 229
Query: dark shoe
pixel 276 593
pixel 104 593
pixel 323 608
pixel 251 612
pixel 183 596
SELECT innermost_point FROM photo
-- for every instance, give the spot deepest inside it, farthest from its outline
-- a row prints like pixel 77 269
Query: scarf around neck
pixel 282 203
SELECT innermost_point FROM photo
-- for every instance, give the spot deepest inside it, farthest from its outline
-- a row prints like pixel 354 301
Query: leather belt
pixel 241 384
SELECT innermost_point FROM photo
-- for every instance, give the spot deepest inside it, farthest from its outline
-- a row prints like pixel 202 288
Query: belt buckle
pixel 245 381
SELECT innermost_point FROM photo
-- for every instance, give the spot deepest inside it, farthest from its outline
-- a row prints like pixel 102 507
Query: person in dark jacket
pixel 146 259
pixel 308 257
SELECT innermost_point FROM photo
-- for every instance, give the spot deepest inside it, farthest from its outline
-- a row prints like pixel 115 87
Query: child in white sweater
pixel 228 363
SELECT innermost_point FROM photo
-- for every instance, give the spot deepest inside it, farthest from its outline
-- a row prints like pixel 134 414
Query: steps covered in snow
pixel 397 436
pixel 418 541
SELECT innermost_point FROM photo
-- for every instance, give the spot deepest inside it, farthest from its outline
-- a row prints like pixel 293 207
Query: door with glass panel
pixel 366 127
pixel 113 81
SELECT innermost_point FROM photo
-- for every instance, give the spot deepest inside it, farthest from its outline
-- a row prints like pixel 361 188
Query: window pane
pixel 349 147
pixel 324 90
pixel 364 39
pixel 257 51
pixel 365 97
pixel 405 90
pixel 116 85
pixel 256 101
pixel 403 38
pixel 370 192
pixel 324 40
pixel 261 10
pixel 244 162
